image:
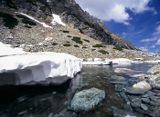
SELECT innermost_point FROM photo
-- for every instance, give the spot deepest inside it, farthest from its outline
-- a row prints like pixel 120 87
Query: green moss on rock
pixel 77 40
pixel 9 20
pixel 98 46
pixel 118 48
pixel 103 51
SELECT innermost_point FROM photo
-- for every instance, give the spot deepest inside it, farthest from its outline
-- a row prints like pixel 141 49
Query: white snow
pixel 36 66
pixel 57 20
pixel 97 59
pixel 39 66
pixel 153 62
pixel 32 18
pixel 118 62
pixel 122 62
pixel 96 63
pixel 6 50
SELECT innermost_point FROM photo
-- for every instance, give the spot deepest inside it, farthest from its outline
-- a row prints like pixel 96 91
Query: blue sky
pixel 135 20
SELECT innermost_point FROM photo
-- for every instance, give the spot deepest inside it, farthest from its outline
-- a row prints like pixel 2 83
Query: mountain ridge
pixel 71 13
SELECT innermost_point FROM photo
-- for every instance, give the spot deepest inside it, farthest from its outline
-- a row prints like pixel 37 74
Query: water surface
pixel 44 101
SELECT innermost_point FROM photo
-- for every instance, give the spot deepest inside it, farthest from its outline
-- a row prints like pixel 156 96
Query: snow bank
pixel 121 62
pixel 6 50
pixel 153 62
pixel 118 62
pixel 96 63
pixel 57 20
pixel 36 67
pixel 19 67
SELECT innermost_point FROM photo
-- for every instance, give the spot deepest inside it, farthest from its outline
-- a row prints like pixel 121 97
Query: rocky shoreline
pixel 142 93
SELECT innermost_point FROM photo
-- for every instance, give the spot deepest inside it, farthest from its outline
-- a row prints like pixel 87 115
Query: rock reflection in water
pixel 44 101
pixel 34 100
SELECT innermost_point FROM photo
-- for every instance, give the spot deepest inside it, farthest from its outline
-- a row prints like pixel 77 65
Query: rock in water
pixel 144 107
pixel 86 100
pixel 121 113
pixel 155 70
pixel 139 88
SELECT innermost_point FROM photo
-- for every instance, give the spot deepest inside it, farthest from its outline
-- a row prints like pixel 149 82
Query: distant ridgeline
pixel 70 12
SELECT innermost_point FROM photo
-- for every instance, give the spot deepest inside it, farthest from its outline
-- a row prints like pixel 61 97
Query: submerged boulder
pixel 155 82
pixel 154 76
pixel 115 79
pixel 126 71
pixel 121 113
pixel 86 100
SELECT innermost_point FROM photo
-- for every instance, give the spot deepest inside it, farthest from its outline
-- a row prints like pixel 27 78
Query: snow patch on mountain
pixel 32 18
pixel 57 20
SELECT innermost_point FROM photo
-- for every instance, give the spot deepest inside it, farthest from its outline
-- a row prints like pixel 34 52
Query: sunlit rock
pixel 139 88
pixel 155 70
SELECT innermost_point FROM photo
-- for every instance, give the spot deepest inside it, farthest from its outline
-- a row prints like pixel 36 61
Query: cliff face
pixel 70 12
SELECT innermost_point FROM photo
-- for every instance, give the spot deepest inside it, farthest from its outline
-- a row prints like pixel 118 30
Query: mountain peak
pixel 71 13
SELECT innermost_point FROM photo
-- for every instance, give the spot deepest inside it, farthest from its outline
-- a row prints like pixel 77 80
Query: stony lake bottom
pixel 54 101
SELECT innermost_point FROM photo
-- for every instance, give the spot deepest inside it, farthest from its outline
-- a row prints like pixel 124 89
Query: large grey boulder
pixel 86 100
pixel 155 82
pixel 155 70
pixel 154 76
pixel 139 88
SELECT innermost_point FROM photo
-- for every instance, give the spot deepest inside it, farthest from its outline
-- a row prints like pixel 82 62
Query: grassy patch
pixel 67 45
pixel 77 46
pixel 93 49
pixel 103 52
pixel 69 36
pixel 27 26
pixel 27 21
pixel 77 40
pixel 67 42
pixel 98 46
pixel 54 44
pixel 11 3
pixel 9 20
pixel 86 40
pixel 84 47
pixel 65 31
pixel 118 48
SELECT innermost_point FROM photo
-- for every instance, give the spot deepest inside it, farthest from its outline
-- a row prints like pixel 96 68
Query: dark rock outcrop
pixel 69 10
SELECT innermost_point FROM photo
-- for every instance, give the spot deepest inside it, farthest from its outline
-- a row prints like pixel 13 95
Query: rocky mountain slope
pixel 32 25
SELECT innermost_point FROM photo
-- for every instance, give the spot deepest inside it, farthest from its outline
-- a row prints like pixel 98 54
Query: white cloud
pixel 154 41
pixel 155 37
pixel 114 9
pixel 147 40
pixel 144 49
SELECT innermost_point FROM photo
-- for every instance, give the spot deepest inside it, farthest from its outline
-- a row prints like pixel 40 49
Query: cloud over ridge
pixel 114 10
